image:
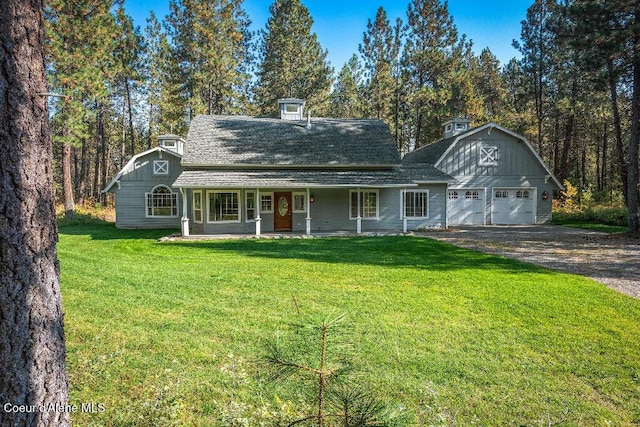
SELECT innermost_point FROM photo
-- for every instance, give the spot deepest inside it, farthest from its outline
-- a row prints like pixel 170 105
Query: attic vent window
pixel 488 156
pixel 291 108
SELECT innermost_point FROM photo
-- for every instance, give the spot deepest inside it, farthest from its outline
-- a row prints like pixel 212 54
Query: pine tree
pixel 292 62
pixel 207 66
pixel 615 46
pixel 345 99
pixel 379 54
pixel 427 63
pixel 32 349
pixel 80 46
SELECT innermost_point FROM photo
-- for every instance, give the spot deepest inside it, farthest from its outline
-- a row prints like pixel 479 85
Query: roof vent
pixel 291 108
pixel 455 127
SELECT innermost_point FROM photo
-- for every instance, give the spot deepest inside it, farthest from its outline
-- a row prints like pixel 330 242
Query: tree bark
pixel 633 190
pixel 67 184
pixel 32 349
pixel 617 127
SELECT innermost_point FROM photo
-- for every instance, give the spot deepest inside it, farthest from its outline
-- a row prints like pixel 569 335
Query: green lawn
pixel 168 333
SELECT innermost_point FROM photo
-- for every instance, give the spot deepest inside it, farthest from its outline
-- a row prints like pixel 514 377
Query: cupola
pixel 455 127
pixel 291 108
pixel 171 142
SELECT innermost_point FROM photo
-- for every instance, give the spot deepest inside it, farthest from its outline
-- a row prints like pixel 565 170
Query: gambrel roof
pixel 433 154
pixel 251 141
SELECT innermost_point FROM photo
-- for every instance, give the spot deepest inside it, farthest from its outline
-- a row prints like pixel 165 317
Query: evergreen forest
pixel 574 92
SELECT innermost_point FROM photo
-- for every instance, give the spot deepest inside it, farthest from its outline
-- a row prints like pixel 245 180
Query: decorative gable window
pixel 368 204
pixel 162 202
pixel 416 204
pixel 161 167
pixel 489 156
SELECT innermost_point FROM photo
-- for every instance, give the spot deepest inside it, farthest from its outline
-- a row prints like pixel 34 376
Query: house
pixel 238 174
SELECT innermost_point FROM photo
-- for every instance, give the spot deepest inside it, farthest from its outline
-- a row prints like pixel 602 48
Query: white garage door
pixel 465 206
pixel 513 206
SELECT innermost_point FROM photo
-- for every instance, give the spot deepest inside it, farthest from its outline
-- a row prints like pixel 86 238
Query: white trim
pixel 359 214
pixel 133 161
pixel 293 200
pixel 246 205
pixel 146 203
pixel 508 132
pixel 193 206
pixel 462 196
pixel 259 200
pixel 161 167
pixel 533 197
pixel 230 221
pixel 404 204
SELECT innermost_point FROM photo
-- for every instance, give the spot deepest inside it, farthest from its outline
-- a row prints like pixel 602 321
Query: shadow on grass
pixel 392 251
pixel 104 230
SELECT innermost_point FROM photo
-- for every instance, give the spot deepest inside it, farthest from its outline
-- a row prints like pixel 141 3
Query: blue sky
pixel 340 24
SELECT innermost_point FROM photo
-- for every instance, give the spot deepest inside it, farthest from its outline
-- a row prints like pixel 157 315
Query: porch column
pixel 258 219
pixel 404 209
pixel 308 218
pixel 185 215
pixel 359 217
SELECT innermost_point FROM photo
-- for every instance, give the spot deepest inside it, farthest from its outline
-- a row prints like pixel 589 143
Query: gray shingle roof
pixel 424 172
pixel 429 153
pixel 241 140
pixel 293 178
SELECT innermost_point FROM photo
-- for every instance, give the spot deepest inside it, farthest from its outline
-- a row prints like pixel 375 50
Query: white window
pixel 489 156
pixel 266 203
pixel 224 206
pixel 416 204
pixel 197 207
pixel 250 205
pixel 502 194
pixel 291 108
pixel 161 167
pixel 473 195
pixel 162 202
pixel 299 202
pixel 452 194
pixel 368 204
pixel 522 194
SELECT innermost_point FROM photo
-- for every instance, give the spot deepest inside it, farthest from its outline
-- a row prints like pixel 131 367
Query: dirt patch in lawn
pixel 612 259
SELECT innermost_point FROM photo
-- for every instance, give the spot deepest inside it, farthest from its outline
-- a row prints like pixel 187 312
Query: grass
pixel 168 333
pixel 605 228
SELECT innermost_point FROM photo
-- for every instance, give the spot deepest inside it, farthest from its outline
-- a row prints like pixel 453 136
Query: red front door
pixel 282 218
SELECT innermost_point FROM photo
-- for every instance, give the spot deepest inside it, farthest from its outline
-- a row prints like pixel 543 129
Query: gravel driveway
pixel 610 259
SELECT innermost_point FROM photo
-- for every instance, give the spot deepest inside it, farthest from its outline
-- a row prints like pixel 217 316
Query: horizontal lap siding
pixel 138 180
pixel 437 209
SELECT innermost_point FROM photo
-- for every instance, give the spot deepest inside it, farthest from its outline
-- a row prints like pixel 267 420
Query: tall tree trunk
pixel 32 349
pixel 633 190
pixel 67 185
pixel 132 136
pixel 82 187
pixel 617 127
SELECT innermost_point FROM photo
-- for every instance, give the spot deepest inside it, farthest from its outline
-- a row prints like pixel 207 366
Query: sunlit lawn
pixel 168 333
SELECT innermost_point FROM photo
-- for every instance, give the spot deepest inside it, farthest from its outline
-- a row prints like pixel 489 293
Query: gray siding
pixel 517 167
pixel 137 180
pixel 329 212
pixel 437 209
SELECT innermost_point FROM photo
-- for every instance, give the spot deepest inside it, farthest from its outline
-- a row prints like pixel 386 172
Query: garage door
pixel 465 206
pixel 513 206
